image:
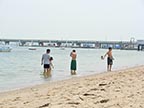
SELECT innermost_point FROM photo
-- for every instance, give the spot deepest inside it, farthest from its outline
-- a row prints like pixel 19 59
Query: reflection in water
pixel 47 74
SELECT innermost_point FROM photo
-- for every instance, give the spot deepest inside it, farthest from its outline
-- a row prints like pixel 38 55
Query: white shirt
pixel 45 58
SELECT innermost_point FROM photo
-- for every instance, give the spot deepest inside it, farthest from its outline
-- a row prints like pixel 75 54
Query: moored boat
pixel 32 48
pixel 4 48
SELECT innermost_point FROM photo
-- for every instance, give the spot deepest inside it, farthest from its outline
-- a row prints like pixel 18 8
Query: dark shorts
pixel 46 66
pixel 109 61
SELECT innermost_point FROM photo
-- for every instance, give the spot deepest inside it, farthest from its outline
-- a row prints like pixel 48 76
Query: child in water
pixel 51 65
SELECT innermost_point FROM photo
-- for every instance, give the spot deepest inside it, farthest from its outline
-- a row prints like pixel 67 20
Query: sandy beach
pixel 118 89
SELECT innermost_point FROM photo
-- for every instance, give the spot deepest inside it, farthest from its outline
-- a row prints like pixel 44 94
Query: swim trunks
pixel 73 65
pixel 46 66
pixel 109 61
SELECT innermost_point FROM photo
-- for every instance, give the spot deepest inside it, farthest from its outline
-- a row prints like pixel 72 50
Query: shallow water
pixel 21 67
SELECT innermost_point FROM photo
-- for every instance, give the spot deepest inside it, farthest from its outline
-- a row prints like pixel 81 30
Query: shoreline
pixel 69 78
pixel 98 90
pixel 74 77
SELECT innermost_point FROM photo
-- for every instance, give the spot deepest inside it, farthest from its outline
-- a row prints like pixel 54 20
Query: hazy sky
pixel 72 19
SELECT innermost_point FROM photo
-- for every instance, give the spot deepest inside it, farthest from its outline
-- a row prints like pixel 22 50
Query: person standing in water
pixel 45 61
pixel 73 62
pixel 109 59
pixel 51 66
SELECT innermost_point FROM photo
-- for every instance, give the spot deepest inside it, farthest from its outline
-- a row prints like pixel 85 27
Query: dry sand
pixel 118 89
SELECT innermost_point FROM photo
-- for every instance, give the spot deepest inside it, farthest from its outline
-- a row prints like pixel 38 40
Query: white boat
pixel 5 48
pixel 32 48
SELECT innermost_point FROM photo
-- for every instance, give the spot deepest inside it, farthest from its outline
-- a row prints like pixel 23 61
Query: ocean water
pixel 21 67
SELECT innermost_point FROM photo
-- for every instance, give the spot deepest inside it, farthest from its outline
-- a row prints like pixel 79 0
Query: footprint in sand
pixel 16 99
pixel 102 84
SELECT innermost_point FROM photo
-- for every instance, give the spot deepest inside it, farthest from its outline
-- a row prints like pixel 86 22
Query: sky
pixel 72 19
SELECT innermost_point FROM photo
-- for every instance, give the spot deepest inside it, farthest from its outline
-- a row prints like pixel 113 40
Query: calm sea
pixel 21 67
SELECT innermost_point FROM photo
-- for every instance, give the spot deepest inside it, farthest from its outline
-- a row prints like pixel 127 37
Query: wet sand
pixel 117 89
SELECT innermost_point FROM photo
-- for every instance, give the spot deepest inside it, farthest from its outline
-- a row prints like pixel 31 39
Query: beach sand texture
pixel 117 89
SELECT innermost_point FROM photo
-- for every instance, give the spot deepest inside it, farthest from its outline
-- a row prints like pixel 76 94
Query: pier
pixel 72 43
pixel 140 44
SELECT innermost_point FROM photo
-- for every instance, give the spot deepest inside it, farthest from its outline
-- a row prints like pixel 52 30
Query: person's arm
pixel 112 57
pixel 105 55
pixel 42 60
pixel 71 54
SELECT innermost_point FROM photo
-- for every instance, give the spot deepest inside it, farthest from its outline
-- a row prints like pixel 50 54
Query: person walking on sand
pixel 109 59
pixel 73 62
pixel 45 61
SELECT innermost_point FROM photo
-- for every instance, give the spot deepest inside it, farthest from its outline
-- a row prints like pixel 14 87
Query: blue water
pixel 21 67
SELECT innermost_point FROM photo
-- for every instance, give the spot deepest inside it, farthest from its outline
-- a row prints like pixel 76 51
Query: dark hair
pixel 51 58
pixel 110 48
pixel 48 50
pixel 74 50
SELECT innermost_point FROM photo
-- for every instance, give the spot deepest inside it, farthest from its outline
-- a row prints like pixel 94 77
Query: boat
pixel 32 48
pixel 4 48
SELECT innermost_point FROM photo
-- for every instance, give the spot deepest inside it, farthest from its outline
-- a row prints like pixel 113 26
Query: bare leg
pixel 110 67
pixel 71 72
pixel 44 71
pixel 74 72
pixel 49 72
pixel 107 67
